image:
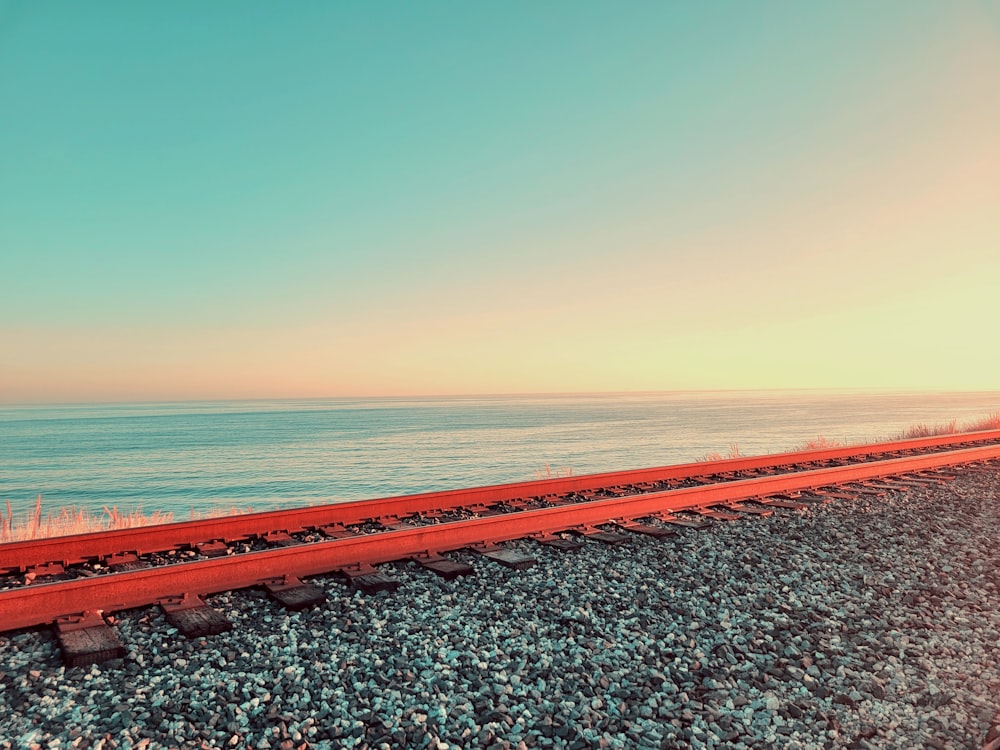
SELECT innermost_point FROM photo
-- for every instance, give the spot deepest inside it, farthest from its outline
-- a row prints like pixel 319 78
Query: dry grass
pixel 989 422
pixel 565 471
pixel 922 430
pixel 734 452
pixel 819 444
pixel 73 520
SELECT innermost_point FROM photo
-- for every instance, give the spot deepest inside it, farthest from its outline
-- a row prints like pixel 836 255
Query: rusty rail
pixel 39 604
pixel 79 548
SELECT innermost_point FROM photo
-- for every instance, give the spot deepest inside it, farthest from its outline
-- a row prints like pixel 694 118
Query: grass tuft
pixel 734 452
pixel 565 471
pixel 819 444
pixel 989 422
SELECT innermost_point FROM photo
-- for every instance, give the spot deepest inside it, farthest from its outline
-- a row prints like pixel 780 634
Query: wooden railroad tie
pixel 557 542
pixel 443 566
pixel 369 578
pixel 87 639
pixel 193 617
pixel 657 532
pixel 214 548
pixel 600 535
pixel 751 510
pixel 509 558
pixel 280 539
pixel 687 522
pixel 293 594
pixel 717 515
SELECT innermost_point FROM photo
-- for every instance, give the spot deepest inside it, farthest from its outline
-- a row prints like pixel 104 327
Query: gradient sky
pixel 239 200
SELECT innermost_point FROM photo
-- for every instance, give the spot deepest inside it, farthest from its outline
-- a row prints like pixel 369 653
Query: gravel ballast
pixel 870 623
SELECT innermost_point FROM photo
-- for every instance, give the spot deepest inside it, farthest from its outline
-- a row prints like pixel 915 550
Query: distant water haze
pixel 202 456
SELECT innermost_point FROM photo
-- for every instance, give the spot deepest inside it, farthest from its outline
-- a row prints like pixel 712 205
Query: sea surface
pixel 200 456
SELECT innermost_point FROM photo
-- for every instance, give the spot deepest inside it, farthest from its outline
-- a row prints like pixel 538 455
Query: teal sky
pixel 205 200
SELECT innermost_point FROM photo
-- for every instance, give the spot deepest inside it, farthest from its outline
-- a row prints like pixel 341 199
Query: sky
pixel 264 200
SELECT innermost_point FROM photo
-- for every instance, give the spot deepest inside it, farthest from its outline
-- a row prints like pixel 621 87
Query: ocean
pixel 205 456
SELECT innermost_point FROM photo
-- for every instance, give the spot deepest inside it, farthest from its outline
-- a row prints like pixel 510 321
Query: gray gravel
pixel 867 624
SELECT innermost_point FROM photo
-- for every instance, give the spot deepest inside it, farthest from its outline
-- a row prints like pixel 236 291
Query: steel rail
pixel 80 548
pixel 39 604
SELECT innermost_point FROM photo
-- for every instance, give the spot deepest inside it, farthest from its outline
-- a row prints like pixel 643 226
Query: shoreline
pixel 865 623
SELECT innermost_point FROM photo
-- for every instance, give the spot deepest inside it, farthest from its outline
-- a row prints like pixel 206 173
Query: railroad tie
pixel 892 485
pixel 812 499
pixel 557 542
pixel 981 467
pixel 686 522
pixel 835 495
pixel 293 594
pixel 87 639
pixel 369 578
pixel 193 617
pixel 940 475
pixel 747 509
pixel 863 488
pixel 391 523
pixel 509 558
pixel 44 570
pixel 657 532
pixel 122 561
pixel 918 480
pixel 337 531
pixel 555 500
pixel 443 566
pixel 600 535
pixel 214 548
pixel 518 503
pixel 784 504
pixel 717 515
pixel 280 539
pixel 485 511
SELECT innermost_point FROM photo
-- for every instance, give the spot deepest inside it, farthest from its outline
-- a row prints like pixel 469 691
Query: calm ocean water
pixel 270 454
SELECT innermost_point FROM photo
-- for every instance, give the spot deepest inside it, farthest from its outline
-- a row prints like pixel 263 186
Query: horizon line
pixel 511 394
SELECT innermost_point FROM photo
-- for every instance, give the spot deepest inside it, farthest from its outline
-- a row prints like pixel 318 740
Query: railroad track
pixel 74 582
